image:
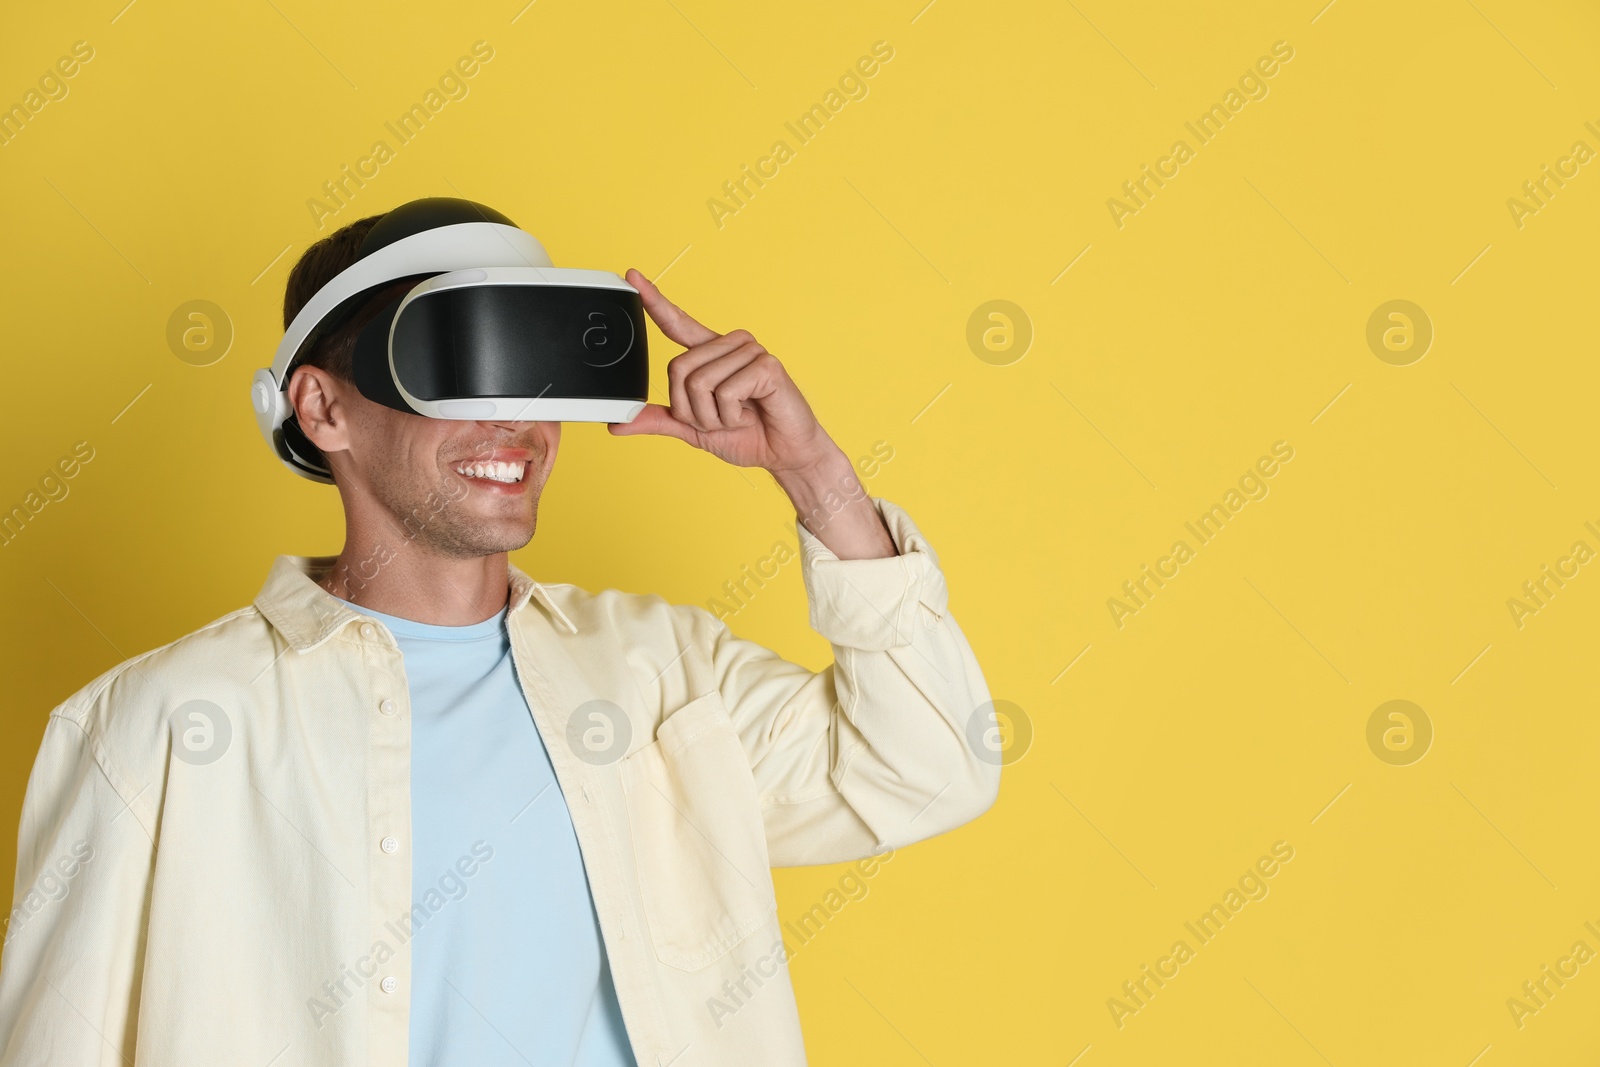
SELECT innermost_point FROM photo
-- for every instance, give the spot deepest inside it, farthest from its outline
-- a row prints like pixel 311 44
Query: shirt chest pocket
pixel 698 838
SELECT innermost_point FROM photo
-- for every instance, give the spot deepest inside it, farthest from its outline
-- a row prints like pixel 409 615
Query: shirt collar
pixel 307 615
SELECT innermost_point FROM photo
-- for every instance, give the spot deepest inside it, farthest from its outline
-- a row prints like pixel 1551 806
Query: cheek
pixel 410 464
pixel 552 447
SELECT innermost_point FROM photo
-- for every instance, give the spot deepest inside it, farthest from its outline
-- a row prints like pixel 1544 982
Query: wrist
pixel 831 472
pixel 830 501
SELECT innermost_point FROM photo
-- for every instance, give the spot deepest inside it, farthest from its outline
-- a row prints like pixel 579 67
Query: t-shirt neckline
pixel 476 631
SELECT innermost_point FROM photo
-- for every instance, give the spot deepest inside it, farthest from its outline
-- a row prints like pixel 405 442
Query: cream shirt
pixel 215 835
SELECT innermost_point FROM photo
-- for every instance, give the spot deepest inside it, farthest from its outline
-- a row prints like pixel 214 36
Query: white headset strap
pixel 444 248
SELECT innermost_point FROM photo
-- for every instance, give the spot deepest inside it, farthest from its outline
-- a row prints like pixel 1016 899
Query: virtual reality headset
pixel 490 330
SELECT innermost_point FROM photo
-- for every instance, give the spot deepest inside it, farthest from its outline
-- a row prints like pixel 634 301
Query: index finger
pixel 673 320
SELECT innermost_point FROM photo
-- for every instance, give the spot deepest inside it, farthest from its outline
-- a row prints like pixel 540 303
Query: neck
pixel 415 582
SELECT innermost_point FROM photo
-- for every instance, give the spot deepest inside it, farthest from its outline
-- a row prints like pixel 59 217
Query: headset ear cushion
pixel 306 453
pixel 370 361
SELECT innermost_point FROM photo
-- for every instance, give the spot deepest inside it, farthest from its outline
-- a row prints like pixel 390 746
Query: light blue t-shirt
pixel 507 963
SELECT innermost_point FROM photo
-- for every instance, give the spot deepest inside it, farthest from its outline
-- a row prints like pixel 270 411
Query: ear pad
pixel 306 454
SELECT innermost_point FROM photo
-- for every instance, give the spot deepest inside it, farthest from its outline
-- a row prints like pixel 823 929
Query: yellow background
pixel 1223 317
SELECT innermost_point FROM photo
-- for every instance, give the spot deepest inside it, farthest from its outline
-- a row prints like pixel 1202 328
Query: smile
pixel 508 473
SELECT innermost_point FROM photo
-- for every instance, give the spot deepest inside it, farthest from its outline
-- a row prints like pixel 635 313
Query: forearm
pixel 830 501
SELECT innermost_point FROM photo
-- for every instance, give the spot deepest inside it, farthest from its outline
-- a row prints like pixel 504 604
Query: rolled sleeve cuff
pixel 873 603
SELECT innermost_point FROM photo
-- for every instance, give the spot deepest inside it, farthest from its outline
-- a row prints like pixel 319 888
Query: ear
pixel 317 398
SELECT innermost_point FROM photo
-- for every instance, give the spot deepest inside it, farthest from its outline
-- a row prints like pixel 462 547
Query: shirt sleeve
pixel 74 938
pixel 874 752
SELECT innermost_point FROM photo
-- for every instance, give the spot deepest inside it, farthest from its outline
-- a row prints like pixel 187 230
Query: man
pixel 411 806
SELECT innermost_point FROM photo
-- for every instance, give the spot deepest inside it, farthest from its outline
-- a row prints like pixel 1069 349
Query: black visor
pixel 454 352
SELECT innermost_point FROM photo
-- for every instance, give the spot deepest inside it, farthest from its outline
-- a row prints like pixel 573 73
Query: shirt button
pixel 368 630
pixel 389 985
pixel 387 707
pixel 389 844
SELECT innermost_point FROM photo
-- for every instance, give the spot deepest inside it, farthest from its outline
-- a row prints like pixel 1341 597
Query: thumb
pixel 655 419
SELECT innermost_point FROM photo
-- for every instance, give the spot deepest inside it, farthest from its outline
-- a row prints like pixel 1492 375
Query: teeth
pixel 496 472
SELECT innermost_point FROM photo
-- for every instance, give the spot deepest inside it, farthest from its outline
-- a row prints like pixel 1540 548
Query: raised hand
pixel 729 396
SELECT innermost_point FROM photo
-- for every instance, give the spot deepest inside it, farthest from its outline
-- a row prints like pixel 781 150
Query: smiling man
pixel 411 806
